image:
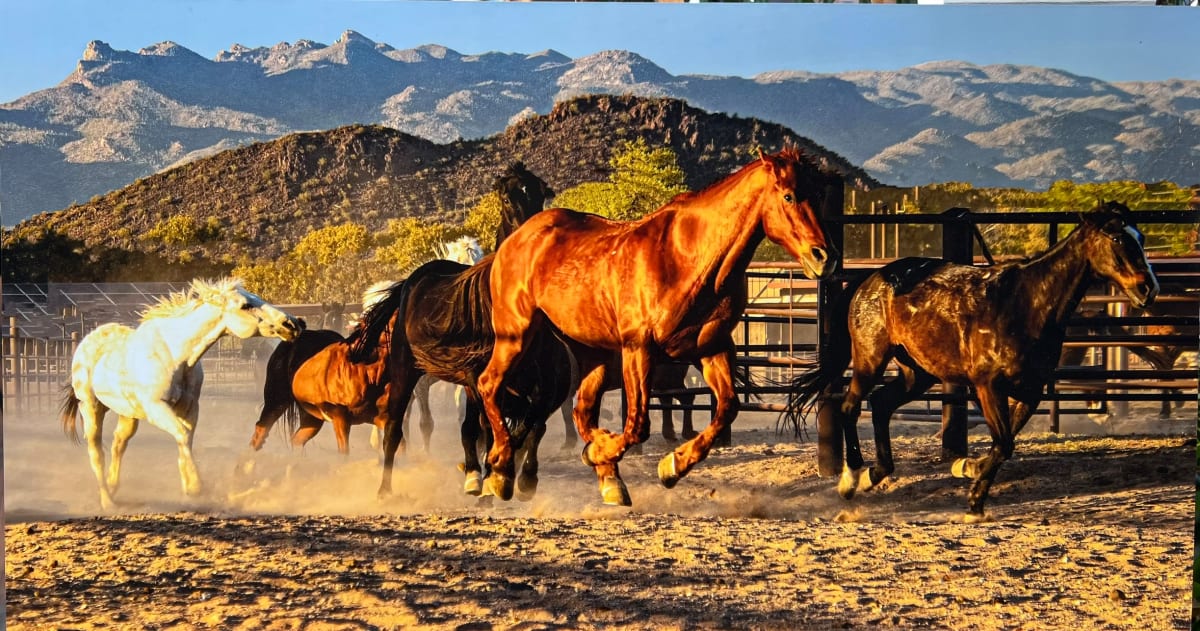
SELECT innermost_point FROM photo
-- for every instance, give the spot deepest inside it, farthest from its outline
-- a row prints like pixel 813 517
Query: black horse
pixel 444 330
pixel 996 328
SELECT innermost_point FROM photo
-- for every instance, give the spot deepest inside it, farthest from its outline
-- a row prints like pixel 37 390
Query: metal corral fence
pixel 782 332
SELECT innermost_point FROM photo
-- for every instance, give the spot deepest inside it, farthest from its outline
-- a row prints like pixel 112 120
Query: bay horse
pixel 668 285
pixel 997 328
pixel 153 372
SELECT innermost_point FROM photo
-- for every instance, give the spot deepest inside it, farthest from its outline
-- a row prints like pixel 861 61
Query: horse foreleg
pixel 181 428
pixel 404 377
pixel 527 479
pixel 126 427
pixel 718 375
pixel 471 435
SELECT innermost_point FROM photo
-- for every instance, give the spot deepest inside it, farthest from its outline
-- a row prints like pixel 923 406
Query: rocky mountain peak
pixel 97 50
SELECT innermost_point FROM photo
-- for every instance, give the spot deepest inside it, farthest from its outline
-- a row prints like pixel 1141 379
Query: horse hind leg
pixel 126 427
pixel 92 412
pixel 884 402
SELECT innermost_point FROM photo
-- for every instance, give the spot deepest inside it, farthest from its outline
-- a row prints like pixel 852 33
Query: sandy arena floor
pixel 1090 529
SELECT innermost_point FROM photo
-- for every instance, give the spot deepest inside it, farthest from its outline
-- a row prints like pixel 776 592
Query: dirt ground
pixel 1090 529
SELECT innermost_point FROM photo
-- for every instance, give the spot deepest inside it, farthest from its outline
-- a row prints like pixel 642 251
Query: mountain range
pixel 123 115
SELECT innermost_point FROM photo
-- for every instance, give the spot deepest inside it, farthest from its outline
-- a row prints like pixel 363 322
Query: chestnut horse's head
pixel 796 190
pixel 1115 251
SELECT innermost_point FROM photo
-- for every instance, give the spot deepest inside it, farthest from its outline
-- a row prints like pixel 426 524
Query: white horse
pixel 153 372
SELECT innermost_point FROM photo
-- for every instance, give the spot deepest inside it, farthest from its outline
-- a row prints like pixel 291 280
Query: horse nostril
pixel 818 254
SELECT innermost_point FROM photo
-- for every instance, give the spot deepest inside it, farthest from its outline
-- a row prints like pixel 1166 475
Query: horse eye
pixel 787 197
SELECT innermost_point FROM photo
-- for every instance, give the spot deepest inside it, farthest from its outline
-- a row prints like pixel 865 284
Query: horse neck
pixel 1061 276
pixel 730 213
pixel 190 335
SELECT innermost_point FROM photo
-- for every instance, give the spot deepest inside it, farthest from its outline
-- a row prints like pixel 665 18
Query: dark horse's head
pixel 522 194
pixel 1115 249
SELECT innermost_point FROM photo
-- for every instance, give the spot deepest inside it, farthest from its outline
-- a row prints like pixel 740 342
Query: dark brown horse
pixel 445 308
pixel 998 329
pixel 669 285
pixel 443 330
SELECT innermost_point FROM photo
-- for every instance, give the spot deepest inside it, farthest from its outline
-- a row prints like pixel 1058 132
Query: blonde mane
pixel 200 291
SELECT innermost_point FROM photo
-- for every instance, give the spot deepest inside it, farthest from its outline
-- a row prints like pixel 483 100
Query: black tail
pixel 374 322
pixel 69 412
pixel 821 377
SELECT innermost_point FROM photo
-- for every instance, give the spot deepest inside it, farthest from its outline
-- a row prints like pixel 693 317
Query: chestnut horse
pixel 997 328
pixel 670 284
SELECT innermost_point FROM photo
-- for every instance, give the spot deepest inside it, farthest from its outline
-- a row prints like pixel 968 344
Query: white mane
pixel 376 293
pixel 465 250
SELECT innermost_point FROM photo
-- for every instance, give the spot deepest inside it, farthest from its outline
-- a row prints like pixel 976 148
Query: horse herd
pixel 571 302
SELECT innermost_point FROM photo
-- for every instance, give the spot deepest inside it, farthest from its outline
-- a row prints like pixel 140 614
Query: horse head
pixel 245 314
pixel 1116 251
pixel 522 195
pixel 795 187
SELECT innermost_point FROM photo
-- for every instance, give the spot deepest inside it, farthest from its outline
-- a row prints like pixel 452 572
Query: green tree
pixel 484 219
pixel 642 180
pixel 408 243
pixel 328 265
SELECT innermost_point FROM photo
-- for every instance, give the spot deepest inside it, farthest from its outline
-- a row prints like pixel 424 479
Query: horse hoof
pixel 474 484
pixel 614 493
pixel 668 471
pixel 848 484
pixel 499 486
pixel 867 481
pixel 526 488
pixel 976 518
pixel 959 468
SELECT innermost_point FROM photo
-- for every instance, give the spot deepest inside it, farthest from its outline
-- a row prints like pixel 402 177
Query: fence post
pixel 829 431
pixel 957 248
pixel 14 357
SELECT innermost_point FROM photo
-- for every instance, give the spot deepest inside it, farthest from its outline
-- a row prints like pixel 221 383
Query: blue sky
pixel 40 40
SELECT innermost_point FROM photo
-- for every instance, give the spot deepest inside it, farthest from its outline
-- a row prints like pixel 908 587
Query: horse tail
pixel 69 413
pixel 808 388
pixel 366 337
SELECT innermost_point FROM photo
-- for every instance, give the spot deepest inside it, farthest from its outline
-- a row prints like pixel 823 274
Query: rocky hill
pixel 123 115
pixel 258 200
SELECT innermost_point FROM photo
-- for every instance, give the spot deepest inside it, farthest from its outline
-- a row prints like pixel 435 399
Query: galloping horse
pixel 153 372
pixel 667 285
pixel 443 316
pixel 310 380
pixel 998 328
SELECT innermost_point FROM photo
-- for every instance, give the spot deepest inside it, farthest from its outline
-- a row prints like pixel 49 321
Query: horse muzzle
pixel 819 263
pixel 287 331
